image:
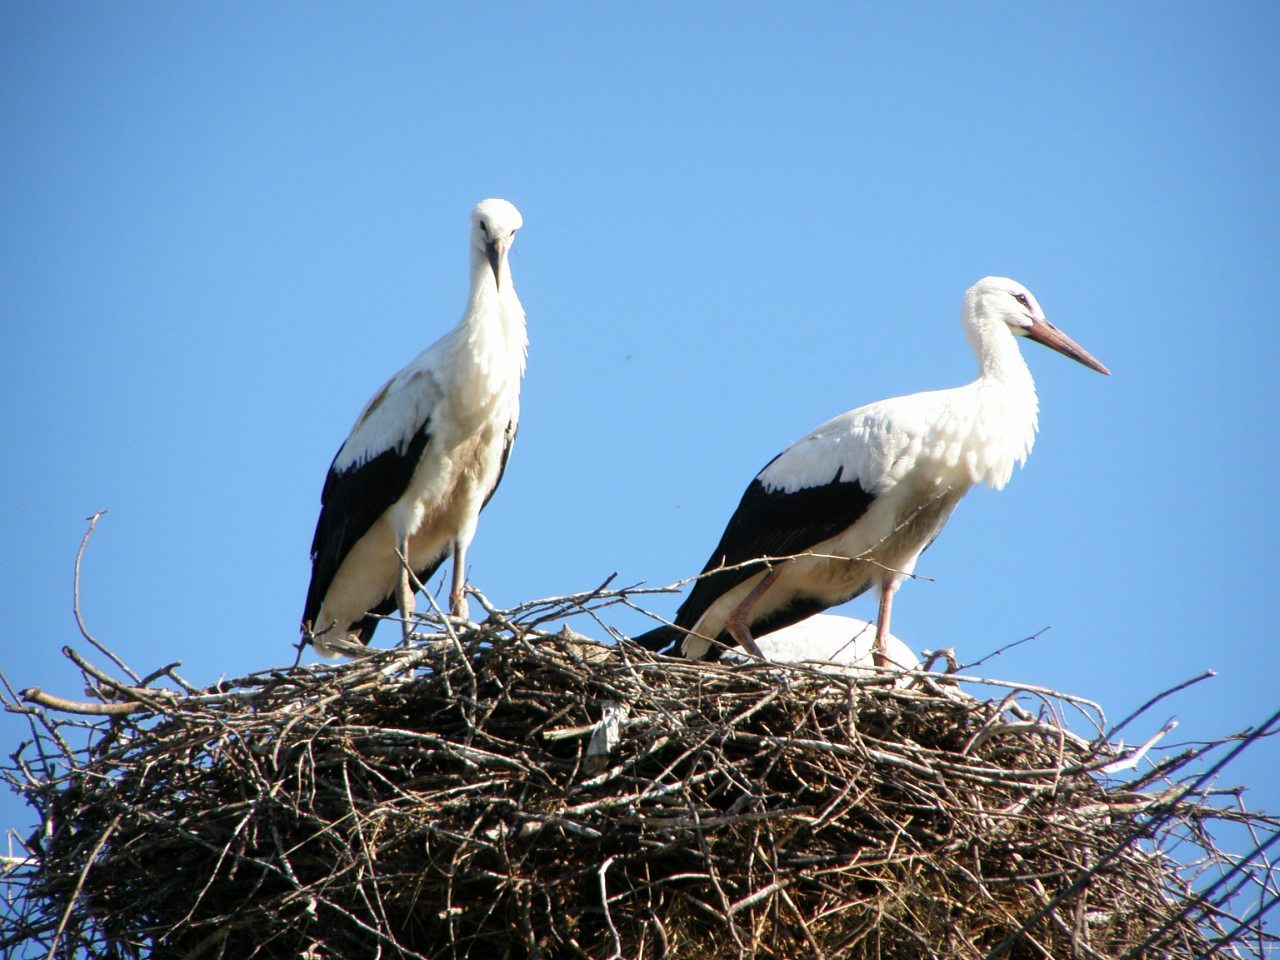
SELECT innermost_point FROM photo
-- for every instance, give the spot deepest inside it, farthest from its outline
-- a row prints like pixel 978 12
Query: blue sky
pixel 226 225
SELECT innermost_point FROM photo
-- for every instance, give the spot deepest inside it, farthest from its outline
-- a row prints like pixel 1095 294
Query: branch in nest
pixel 498 790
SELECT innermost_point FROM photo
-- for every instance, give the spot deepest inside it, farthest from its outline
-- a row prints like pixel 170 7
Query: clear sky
pixel 225 225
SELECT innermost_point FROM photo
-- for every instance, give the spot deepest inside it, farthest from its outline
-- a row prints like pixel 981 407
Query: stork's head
pixel 493 229
pixel 1000 300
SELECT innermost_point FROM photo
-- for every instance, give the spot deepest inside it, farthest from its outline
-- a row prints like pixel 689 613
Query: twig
pixel 1142 830
pixel 436 799
pixel 84 630
pixel 604 904
pixel 36 695
pixel 999 650
pixel 1112 733
pixel 84 874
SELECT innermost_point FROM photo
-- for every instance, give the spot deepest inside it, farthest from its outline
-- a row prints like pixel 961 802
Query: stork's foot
pixel 880 653
pixel 739 626
pixel 458 606
pixel 747 642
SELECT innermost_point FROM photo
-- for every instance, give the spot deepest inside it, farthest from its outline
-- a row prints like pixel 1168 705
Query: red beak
pixel 1042 331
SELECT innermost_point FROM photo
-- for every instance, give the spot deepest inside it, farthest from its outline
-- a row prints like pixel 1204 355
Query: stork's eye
pixel 1022 299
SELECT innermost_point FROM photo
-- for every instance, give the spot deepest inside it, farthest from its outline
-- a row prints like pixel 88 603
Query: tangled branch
pixel 500 790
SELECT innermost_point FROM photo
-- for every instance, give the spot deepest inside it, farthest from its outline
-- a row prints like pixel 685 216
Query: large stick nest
pixel 503 792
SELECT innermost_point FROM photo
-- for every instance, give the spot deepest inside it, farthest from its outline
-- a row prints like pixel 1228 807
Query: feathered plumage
pixel 424 456
pixel 864 494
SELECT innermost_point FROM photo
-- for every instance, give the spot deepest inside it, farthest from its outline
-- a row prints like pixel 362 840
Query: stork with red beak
pixel 852 505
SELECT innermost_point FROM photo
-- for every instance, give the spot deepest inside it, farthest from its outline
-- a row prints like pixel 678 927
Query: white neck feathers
pixel 1004 409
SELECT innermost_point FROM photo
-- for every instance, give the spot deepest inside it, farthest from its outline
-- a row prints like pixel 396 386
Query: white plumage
pixel 846 643
pixel 424 457
pixel 864 494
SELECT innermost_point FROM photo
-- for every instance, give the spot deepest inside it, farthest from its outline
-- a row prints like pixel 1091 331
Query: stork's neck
pixel 492 331
pixel 999 359
pixel 1006 408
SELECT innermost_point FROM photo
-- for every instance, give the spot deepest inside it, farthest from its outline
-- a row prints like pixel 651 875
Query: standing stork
pixel 424 457
pixel 853 505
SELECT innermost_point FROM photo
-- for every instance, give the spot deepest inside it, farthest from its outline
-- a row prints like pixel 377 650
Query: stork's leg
pixel 880 651
pixel 738 626
pixel 404 589
pixel 458 591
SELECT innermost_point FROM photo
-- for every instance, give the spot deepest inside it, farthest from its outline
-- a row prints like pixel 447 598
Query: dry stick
pixel 380 911
pixel 999 650
pixel 1245 924
pixel 11 705
pixel 469 700
pixel 84 873
pixel 608 916
pixel 1269 875
pixel 1144 830
pixel 52 731
pixel 578 600
pixel 167 671
pixel 1214 913
pixel 817 951
pixel 1129 759
pixel 492 613
pixel 84 631
pixel 548 608
pixel 447 622
pixel 213 874
pixel 1201 899
pixel 1156 699
pixel 36 695
pixel 135 693
pixel 736 691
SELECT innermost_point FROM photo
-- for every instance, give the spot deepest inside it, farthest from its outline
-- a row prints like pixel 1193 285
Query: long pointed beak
pixel 494 250
pixel 1042 331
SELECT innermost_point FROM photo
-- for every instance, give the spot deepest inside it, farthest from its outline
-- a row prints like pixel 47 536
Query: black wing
pixel 772 523
pixel 364 628
pixel 512 427
pixel 351 502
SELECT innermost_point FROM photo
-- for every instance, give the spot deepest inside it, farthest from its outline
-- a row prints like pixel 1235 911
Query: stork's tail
pixel 332 642
pixel 320 641
pixel 662 639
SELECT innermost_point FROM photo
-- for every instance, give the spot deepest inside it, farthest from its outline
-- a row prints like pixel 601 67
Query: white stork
pixel 855 503
pixel 847 644
pixel 423 458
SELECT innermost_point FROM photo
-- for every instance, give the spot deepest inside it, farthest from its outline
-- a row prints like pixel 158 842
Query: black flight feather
pixel 768 523
pixel 363 628
pixel 351 503
pixel 510 434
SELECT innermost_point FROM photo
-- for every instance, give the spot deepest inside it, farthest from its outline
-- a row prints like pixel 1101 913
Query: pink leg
pixel 405 591
pixel 880 652
pixel 458 593
pixel 737 624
